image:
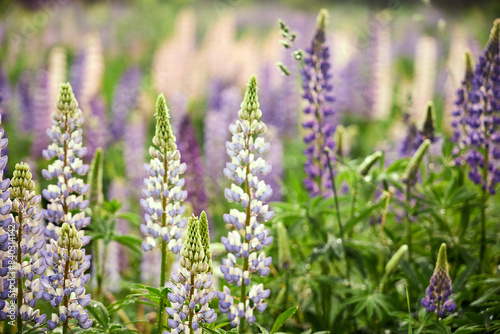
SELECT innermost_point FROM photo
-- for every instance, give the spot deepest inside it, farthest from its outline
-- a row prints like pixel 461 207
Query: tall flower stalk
pixel 63 287
pixel 25 237
pixel 245 243
pixel 163 218
pixel 317 88
pixel 476 122
pixel 192 284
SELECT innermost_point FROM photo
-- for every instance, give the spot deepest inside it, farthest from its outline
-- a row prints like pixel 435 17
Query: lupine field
pixel 240 166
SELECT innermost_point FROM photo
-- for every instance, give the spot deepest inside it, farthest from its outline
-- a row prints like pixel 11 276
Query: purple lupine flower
pixel 134 154
pixel 63 287
pixel 77 73
pixel 66 198
pixel 216 134
pixel 351 88
pixel 124 100
pixel 24 96
pixel 6 221
pixel 24 238
pixel 192 287
pixel 96 131
pixel 190 152
pixel 316 79
pixel 477 118
pixel 41 115
pixel 163 193
pixel 244 244
pixel 437 298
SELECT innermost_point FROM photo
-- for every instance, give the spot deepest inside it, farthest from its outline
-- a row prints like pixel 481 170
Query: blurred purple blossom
pixel 41 115
pixel 96 131
pixel 25 102
pixel 124 100
pixel 134 154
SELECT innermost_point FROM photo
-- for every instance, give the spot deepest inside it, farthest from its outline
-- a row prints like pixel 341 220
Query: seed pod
pixel 411 171
pixel 368 163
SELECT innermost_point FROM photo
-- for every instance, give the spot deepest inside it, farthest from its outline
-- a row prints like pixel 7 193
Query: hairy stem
pixel 20 280
pixel 163 243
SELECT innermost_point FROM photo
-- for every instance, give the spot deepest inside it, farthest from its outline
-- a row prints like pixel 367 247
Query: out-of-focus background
pixel 389 58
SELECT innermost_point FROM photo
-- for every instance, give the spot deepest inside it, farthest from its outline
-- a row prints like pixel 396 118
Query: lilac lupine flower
pixel 477 117
pixel 192 289
pixel 134 154
pixel 437 299
pixel 77 73
pixel 245 243
pixel 216 134
pixel 25 100
pixel 124 100
pixel 63 287
pixel 163 192
pixel 190 151
pixel 5 221
pixel 96 131
pixel 67 196
pixel 41 115
pixel 24 235
pixel 317 93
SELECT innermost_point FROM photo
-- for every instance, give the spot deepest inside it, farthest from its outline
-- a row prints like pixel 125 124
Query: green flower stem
pixel 408 225
pixel 164 252
pixel 19 280
pixel 339 221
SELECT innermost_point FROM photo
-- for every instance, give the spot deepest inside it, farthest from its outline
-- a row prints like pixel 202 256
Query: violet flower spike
pixel 67 196
pixel 192 286
pixel 245 243
pixel 163 193
pixel 22 233
pixel 317 89
pixel 437 299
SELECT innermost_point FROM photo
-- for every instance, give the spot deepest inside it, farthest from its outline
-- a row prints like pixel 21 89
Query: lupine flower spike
pixel 437 299
pixel 67 196
pixel 63 288
pixel 5 221
pixel 25 236
pixel 316 80
pixel 192 284
pixel 246 242
pixel 163 192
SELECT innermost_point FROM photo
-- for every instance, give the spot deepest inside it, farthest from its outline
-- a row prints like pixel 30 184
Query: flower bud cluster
pixel 63 286
pixel 245 243
pixel 66 145
pixel 163 192
pixel 21 243
pixel 192 288
pixel 437 298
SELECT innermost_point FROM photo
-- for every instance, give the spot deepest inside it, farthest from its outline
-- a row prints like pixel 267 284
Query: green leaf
pixel 461 280
pixel 283 318
pixel 99 312
pixel 132 218
pixel 262 329
pixel 131 241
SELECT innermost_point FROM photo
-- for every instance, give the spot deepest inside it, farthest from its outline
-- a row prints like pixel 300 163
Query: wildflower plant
pixel 163 194
pixel 245 243
pixel 192 283
pixel 66 198
pixel 437 298
pixel 477 120
pixel 24 240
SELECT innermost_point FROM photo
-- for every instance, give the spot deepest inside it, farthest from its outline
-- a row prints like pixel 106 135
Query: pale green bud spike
pixel 368 163
pixel 339 139
pixel 494 41
pixel 94 179
pixel 163 135
pixel 322 19
pixel 442 261
pixel 68 237
pixel 428 128
pixel 393 262
pixel 21 181
pixel 250 105
pixel 413 166
pixel 192 252
pixel 469 66
pixel 66 100
pixel 205 240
